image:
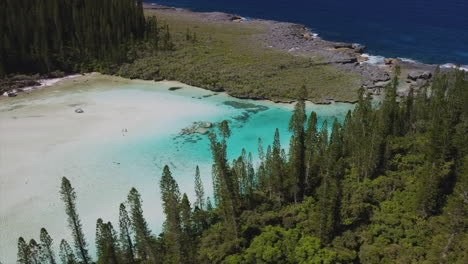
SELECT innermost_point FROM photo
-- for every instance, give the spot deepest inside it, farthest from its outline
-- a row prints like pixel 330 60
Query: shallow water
pixel 43 139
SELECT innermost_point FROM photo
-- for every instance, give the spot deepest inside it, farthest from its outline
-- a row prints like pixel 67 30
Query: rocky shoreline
pixel 290 38
pixel 299 40
pixel 11 87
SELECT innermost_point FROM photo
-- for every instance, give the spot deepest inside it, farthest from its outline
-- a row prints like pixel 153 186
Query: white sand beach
pixel 43 138
pixel 128 131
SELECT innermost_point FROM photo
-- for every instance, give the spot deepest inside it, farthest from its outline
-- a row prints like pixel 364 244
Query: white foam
pixel 408 60
pixel 50 82
pixel 375 60
pixel 314 35
pixel 453 66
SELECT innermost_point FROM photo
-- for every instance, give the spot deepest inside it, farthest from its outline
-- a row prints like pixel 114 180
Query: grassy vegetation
pixel 229 56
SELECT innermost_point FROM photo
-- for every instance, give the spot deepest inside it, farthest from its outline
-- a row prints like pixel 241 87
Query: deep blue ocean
pixel 429 31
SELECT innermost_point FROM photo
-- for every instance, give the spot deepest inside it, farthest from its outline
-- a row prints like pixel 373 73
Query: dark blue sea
pixel 429 31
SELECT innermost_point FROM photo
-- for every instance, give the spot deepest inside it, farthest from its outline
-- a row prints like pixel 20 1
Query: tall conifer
pixel 69 198
pixel 143 240
pixel 47 252
pixel 126 235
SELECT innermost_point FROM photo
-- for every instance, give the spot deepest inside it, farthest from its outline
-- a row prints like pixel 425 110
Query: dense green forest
pixel 52 38
pixel 388 185
pixel 74 35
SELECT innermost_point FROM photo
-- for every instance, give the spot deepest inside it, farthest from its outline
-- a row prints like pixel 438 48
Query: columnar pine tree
pixel 107 249
pixel 34 250
pixel 24 253
pixel 225 184
pixel 126 236
pixel 188 230
pixel 311 155
pixel 47 252
pixel 186 215
pixel 296 178
pixel 277 173
pixel 66 253
pixel 143 239
pixel 329 194
pixel 199 191
pixel 69 198
pixel 170 196
pixel 366 138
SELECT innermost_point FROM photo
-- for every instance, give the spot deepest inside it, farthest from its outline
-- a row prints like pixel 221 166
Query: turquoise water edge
pixel 104 166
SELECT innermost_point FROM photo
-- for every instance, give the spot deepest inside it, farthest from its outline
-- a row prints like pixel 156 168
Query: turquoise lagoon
pixel 103 161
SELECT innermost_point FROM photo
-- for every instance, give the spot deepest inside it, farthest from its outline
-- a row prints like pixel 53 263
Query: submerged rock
pixel 202 131
pixel 197 128
pixel 174 88
pixel 243 105
pixel 207 124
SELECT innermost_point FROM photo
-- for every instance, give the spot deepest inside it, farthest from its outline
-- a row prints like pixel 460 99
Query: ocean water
pixel 44 140
pixel 430 31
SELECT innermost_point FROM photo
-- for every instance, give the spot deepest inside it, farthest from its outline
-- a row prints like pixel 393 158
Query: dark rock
pixel 323 102
pixel 235 18
pixel 9 94
pixel 426 75
pixel 359 48
pixel 391 61
pixel 174 88
pixel 413 75
pixel 79 111
pixel 343 46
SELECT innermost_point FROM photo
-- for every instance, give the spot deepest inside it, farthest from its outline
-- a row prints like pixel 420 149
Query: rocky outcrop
pixel 363 59
pixel 414 75
pixel 359 49
pixel 197 128
pixel 307 36
pixel 340 45
pixel 235 18
pixel 391 61
pixel 207 124
pixel 10 93
pixel 426 75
